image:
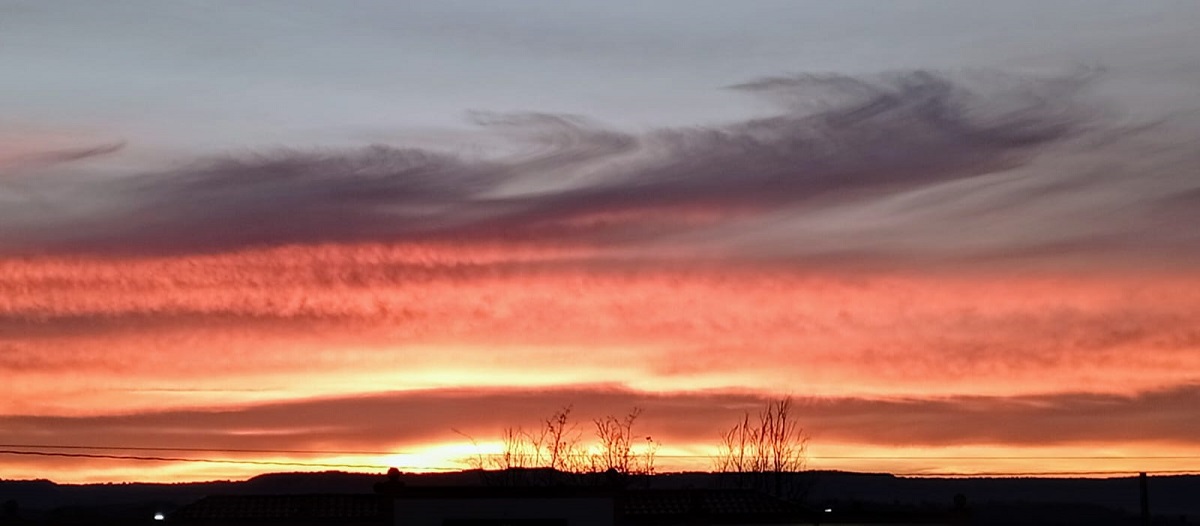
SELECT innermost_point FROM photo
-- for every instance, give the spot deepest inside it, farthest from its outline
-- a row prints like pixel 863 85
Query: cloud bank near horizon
pixel 392 419
pixel 445 429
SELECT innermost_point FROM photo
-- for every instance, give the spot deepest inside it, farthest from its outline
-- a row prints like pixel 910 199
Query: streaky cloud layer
pixel 931 261
pixel 336 320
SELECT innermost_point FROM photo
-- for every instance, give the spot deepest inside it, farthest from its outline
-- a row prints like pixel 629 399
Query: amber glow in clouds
pixel 976 261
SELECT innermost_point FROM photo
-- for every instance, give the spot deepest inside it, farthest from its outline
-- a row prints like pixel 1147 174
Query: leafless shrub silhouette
pixel 765 452
pixel 555 451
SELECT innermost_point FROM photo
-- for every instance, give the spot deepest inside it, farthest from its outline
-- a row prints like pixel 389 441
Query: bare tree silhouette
pixel 555 451
pixel 765 452
pixel 616 451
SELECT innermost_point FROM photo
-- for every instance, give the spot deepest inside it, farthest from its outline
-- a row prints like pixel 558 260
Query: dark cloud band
pixel 394 419
pixel 843 151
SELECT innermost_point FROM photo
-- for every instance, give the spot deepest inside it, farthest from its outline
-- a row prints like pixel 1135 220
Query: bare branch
pixel 765 453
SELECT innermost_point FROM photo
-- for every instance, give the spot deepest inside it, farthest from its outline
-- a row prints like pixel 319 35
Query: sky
pixel 961 236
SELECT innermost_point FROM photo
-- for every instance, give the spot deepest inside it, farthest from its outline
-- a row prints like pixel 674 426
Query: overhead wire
pixel 205 449
pixel 182 459
pixel 19 449
pixel 660 455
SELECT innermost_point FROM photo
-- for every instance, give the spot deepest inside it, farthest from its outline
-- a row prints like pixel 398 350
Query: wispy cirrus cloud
pixel 860 167
pixel 26 150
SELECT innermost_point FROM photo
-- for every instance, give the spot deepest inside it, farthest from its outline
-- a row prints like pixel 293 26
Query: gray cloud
pixel 65 155
pixel 876 166
pixel 77 154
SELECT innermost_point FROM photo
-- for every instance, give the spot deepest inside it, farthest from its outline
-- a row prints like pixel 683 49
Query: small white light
pixel 158 517
pixel 828 510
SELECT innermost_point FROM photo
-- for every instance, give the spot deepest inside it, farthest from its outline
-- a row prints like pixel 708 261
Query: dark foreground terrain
pixel 1173 499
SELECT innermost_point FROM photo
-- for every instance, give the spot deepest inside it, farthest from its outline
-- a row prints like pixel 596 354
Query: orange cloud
pixel 344 320
pixel 294 346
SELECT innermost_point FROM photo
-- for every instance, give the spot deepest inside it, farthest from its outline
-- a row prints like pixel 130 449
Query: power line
pixel 997 457
pixel 208 450
pixel 206 460
pixel 377 467
pixel 429 468
pixel 1046 473
pixel 923 457
pixel 676 456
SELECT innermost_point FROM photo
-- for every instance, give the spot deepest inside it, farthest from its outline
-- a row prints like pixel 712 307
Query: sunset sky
pixel 307 235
